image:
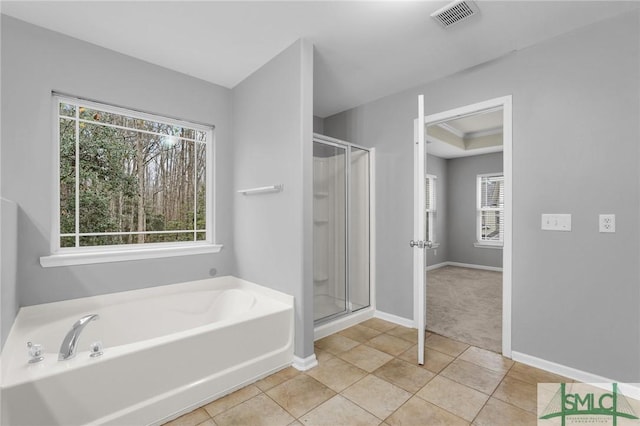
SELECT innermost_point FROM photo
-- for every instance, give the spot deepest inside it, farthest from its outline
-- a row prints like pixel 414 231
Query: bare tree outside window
pixel 129 180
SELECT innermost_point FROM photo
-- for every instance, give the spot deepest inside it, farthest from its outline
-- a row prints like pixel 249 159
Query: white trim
pixel 124 255
pixel 490 105
pixel 372 228
pixel 261 189
pixel 419 256
pixel 66 256
pixel 406 322
pixel 109 107
pixel 212 157
pixel 507 171
pixel 505 103
pixel 342 323
pixel 482 133
pixel 485 244
pixel 628 389
pixel 304 364
pixel 463 265
pixel 449 128
pixel 437 266
pixel 479 210
pixel 472 266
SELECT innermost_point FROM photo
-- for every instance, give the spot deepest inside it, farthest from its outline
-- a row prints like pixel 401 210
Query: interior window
pixel 490 209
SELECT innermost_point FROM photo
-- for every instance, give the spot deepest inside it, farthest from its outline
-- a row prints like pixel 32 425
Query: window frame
pixel 65 256
pixel 479 209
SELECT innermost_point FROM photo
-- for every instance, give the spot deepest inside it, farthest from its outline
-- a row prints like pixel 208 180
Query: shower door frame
pixel 367 310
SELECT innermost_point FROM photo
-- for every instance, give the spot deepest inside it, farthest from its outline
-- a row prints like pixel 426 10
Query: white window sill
pixel 490 246
pixel 124 254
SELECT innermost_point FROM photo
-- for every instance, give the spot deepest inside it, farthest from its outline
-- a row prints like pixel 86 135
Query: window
pixel 129 179
pixel 430 214
pixel 490 209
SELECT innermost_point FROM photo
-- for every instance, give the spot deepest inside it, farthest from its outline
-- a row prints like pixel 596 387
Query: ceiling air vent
pixel 455 12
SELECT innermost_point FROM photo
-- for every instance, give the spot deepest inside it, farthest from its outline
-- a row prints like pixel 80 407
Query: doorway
pixel 467 272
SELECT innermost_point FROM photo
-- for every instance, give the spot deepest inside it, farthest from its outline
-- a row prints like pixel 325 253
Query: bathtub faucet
pixel 68 347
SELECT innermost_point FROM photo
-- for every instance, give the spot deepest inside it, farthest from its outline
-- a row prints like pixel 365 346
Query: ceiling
pixel 476 123
pixel 364 50
pixel 474 134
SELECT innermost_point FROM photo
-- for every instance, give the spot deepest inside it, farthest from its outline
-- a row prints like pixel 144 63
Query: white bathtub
pixel 167 350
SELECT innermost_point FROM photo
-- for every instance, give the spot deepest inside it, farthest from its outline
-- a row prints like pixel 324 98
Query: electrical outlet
pixel 607 223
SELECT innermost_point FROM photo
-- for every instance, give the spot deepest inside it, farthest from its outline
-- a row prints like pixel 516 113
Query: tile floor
pixel 368 375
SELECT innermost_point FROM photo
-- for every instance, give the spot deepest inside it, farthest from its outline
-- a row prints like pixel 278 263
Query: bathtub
pixel 166 351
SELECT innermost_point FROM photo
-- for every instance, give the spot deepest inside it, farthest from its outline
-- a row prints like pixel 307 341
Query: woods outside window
pixel 130 179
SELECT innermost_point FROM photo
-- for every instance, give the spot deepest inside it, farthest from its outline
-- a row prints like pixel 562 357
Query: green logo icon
pixel 613 404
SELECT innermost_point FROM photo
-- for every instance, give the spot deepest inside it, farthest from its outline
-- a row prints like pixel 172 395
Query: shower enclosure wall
pixel 341 231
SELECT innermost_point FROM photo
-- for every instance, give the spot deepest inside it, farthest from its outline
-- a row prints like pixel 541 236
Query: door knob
pixel 419 244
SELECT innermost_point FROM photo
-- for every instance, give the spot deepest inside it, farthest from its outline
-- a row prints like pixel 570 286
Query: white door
pixel 418 243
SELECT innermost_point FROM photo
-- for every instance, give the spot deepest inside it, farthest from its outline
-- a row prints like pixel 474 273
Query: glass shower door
pixel 329 230
pixel 359 256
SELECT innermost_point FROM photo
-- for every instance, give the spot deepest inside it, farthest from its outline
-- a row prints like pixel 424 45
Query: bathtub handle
pixel 36 354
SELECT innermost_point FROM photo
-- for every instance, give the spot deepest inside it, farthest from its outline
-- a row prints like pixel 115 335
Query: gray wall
pixel 36 61
pixel 461 219
pixel 318 125
pixel 575 133
pixel 438 167
pixel 8 264
pixel 272 145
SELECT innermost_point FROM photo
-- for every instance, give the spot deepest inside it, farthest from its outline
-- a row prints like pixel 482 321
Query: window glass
pixel 130 178
pixel 430 197
pixel 491 208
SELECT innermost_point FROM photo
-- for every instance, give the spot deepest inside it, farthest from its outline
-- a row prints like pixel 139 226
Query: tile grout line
pixel 492 393
pixel 462 384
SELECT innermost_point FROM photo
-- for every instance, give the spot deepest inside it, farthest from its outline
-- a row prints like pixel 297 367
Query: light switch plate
pixel 556 222
pixel 607 223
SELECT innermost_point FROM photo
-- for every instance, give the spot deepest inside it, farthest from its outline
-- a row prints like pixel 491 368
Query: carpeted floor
pixel 466 305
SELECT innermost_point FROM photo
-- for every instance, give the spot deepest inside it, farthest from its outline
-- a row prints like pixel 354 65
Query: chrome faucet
pixel 68 347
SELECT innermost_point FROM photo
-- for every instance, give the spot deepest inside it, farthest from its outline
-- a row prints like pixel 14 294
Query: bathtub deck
pixel 368 374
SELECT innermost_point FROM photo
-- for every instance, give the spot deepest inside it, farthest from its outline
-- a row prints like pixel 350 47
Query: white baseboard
pixel 437 266
pixel 340 324
pixel 304 364
pixel 629 389
pixel 472 266
pixel 395 319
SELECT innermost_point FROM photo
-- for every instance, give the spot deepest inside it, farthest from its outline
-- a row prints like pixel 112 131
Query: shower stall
pixel 341 228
